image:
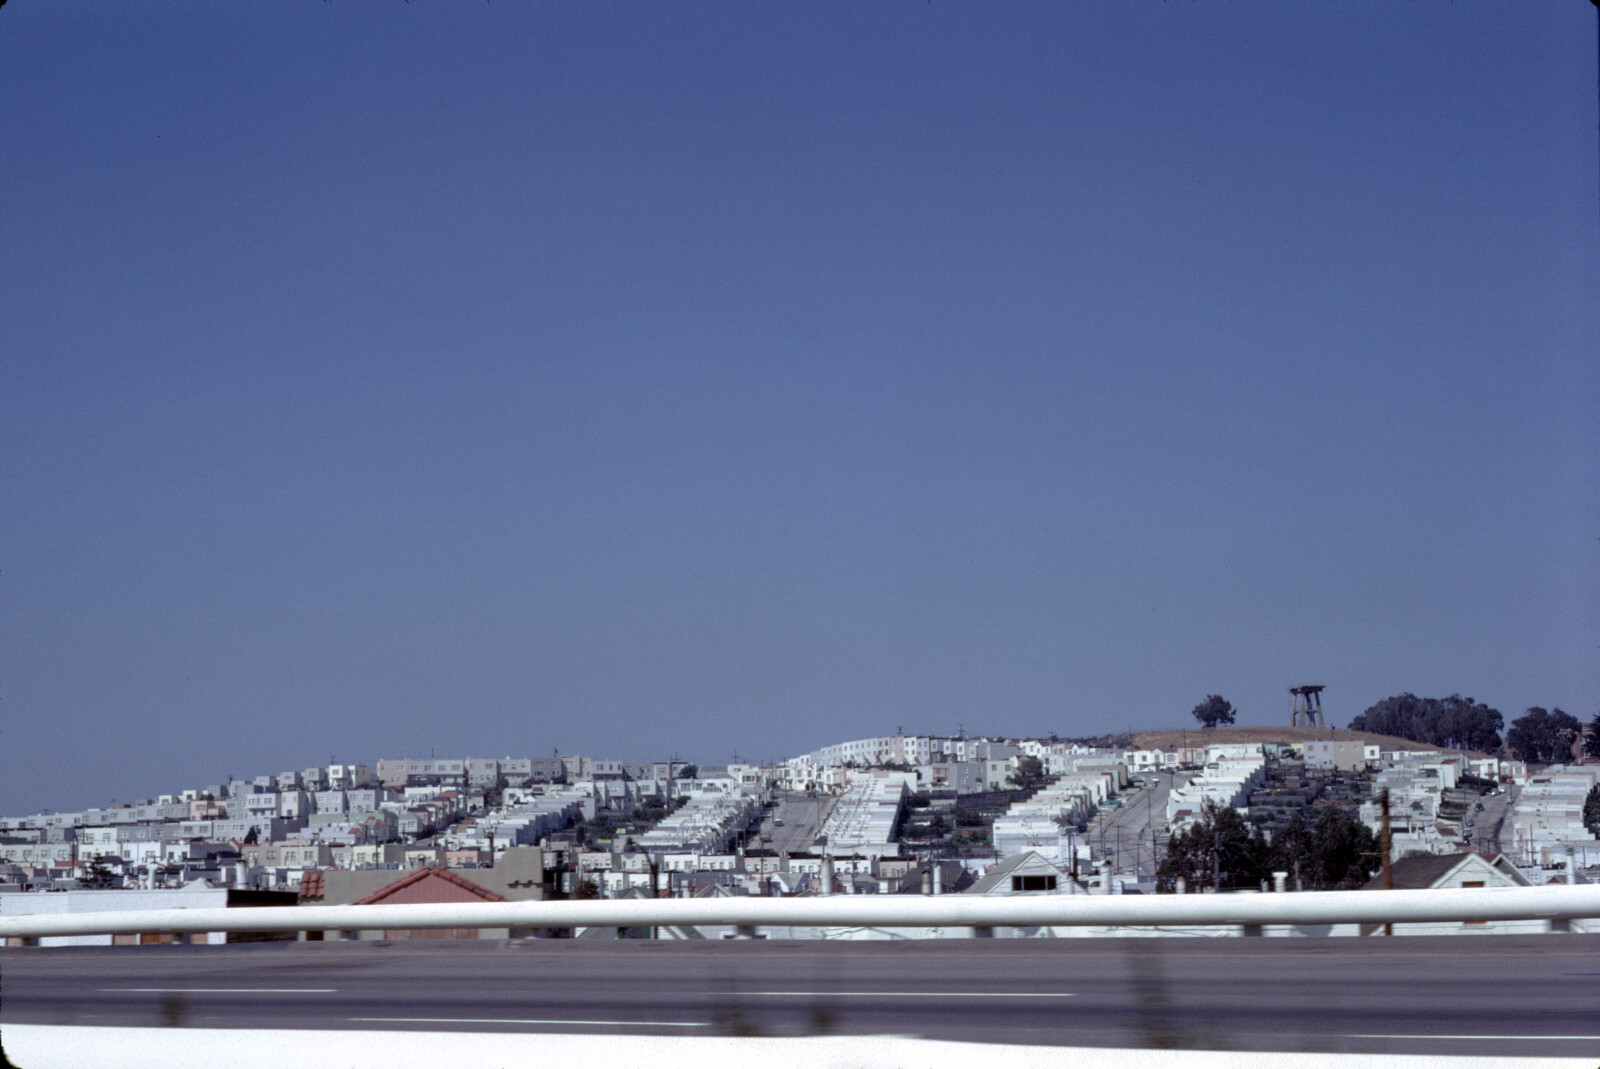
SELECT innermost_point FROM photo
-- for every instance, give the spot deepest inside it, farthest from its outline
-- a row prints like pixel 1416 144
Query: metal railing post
pixel 1388 873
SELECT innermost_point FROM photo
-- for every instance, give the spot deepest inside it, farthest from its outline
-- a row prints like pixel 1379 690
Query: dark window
pixel 1033 883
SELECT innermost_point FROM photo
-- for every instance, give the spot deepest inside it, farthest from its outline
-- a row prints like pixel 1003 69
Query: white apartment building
pixel 866 817
pixel 1229 775
pixel 708 823
pixel 350 777
pixel 1037 823
pixel 1548 816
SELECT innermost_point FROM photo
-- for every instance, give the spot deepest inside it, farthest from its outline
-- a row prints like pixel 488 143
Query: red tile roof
pixel 311 884
pixel 418 875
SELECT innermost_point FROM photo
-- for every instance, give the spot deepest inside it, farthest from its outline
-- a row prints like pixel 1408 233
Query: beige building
pixel 1346 755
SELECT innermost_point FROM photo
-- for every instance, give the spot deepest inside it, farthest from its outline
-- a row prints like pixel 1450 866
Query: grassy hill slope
pixel 1196 736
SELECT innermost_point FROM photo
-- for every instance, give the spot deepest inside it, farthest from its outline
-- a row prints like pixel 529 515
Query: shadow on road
pixel 1158 1019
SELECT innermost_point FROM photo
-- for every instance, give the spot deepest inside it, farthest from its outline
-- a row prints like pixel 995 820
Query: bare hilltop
pixel 1197 736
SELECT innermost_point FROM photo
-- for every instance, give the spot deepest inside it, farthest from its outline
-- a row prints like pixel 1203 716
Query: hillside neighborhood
pixel 901 814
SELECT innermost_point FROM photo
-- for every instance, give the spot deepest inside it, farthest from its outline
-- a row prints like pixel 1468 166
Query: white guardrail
pixel 1550 903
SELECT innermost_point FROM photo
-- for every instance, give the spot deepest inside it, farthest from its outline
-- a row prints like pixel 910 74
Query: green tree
pixel 1341 853
pixel 98 876
pixel 1029 773
pixel 689 772
pixel 1213 711
pixel 1454 721
pixel 1333 852
pixel 1542 737
pixel 1291 850
pixel 1591 741
pixel 494 796
pixel 1219 850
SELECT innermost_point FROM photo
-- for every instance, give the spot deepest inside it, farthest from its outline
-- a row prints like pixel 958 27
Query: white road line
pixel 1452 1035
pixel 226 990
pixel 910 994
pixel 530 1020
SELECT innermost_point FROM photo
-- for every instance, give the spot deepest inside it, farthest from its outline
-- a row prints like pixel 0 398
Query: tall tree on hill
pixel 1591 740
pixel 1213 711
pixel 1454 722
pixel 1543 737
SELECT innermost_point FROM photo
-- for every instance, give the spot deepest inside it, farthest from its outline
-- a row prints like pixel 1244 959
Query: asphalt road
pixel 1493 996
pixel 802 819
pixel 1491 831
pixel 1121 834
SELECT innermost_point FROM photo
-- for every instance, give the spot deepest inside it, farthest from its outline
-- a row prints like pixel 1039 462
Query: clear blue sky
pixel 639 379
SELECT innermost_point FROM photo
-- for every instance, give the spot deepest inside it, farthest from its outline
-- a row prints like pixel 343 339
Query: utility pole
pixel 1216 856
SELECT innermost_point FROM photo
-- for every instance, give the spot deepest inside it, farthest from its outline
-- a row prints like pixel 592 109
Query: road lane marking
pixel 527 1020
pixel 912 994
pixel 227 990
